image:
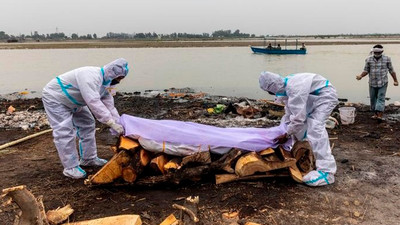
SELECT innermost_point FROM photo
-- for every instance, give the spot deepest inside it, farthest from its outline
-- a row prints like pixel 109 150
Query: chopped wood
pixel 127 143
pixel 173 165
pixel 144 157
pixel 187 211
pixel 295 173
pixel 252 163
pixel 157 163
pixel 111 170
pixel 251 223
pixel 129 174
pixel 226 178
pixel 201 158
pixel 120 220
pixel 59 215
pixel 267 151
pixel 26 201
pixel 304 156
pixel 170 220
pixel 42 210
pixel 190 172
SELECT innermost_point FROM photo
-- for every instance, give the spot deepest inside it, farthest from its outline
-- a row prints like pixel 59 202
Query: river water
pixel 229 71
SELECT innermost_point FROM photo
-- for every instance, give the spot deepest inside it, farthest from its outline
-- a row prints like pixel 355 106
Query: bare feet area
pixel 366 190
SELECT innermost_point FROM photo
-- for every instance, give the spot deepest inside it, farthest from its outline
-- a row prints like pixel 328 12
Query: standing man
pixel 69 101
pixel 377 66
pixel 309 100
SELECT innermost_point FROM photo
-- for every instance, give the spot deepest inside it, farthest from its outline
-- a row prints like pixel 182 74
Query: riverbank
pixel 366 190
pixel 184 43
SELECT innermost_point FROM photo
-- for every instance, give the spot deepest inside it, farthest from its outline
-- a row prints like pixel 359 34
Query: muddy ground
pixel 366 190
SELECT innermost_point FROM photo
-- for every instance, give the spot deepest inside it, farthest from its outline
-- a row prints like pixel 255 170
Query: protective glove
pixel 282 139
pixel 116 127
pixel 359 77
pixel 396 83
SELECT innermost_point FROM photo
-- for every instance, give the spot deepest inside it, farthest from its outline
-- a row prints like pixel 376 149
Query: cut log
pixel 267 151
pixel 111 170
pixel 26 201
pixel 304 156
pixel 295 173
pixel 226 178
pixel 129 174
pixel 144 157
pixel 170 220
pixel 112 220
pixel 173 165
pixel 157 163
pixel 59 215
pixel 252 163
pixel 127 143
pixel 189 173
pixel 200 158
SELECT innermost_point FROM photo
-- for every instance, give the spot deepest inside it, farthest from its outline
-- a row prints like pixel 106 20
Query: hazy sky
pixel 198 16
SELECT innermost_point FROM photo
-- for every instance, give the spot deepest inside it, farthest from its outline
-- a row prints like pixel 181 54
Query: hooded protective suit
pixel 309 100
pixel 68 100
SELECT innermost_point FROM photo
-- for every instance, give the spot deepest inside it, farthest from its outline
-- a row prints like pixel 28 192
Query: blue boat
pixel 274 51
pixel 277 50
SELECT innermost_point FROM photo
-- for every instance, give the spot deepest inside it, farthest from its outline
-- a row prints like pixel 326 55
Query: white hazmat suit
pixel 309 100
pixel 69 100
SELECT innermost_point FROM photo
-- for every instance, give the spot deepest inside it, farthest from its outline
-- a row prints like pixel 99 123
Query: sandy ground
pixel 184 43
pixel 366 190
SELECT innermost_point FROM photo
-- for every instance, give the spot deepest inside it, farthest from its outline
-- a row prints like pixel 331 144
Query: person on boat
pixel 278 47
pixel 269 46
pixel 303 46
pixel 309 100
pixel 69 101
pixel 377 66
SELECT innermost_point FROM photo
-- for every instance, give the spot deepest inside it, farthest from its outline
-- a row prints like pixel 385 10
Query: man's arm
pixel 363 74
pixel 395 82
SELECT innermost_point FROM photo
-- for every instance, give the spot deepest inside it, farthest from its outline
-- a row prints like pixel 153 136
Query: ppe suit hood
pixel 271 82
pixel 115 69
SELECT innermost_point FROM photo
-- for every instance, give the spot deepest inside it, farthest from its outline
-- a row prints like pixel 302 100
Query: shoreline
pixel 183 43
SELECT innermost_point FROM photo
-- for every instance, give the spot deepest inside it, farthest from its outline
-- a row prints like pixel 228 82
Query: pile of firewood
pixel 132 164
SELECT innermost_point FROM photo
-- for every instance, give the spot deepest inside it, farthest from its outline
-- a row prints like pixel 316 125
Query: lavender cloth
pixel 252 139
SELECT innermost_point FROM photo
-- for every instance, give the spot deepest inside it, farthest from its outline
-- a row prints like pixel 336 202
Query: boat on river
pixel 278 50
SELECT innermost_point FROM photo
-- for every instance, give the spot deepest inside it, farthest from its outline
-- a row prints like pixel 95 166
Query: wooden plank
pixel 112 220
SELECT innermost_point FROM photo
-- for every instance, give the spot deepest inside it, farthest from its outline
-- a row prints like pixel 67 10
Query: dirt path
pixel 366 190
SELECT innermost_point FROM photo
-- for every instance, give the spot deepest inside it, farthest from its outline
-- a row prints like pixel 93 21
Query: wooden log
pixel 226 178
pixel 129 174
pixel 157 163
pixel 200 158
pixel 59 215
pixel 127 143
pixel 170 220
pixel 252 163
pixel 120 220
pixel 111 170
pixel 26 201
pixel 295 173
pixel 144 157
pixel 190 172
pixel 267 151
pixel 173 165
pixel 304 156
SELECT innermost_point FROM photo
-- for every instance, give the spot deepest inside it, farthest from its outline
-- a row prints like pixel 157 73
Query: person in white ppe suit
pixel 309 100
pixel 69 101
